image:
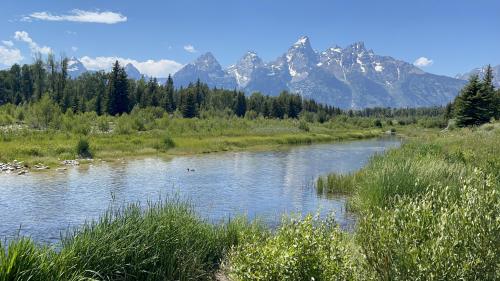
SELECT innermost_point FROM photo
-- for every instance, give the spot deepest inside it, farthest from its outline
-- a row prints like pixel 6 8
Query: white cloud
pixel 74 49
pixel 8 43
pixel 190 48
pixel 80 16
pixel 10 56
pixel 35 48
pixel 159 68
pixel 423 62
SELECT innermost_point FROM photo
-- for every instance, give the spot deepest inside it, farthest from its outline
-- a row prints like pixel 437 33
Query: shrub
pixel 440 235
pixel 167 143
pixel 123 125
pixel 44 114
pixel 83 148
pixel 308 249
pixel 377 123
pixel 303 126
pixel 103 124
pixel 251 115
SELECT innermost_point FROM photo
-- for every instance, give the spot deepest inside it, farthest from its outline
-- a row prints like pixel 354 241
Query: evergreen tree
pixel 487 95
pixel 169 104
pixel 467 104
pixel 118 101
pixel 189 104
pixel 15 81
pixel 240 106
pixel 26 83
pixel 39 77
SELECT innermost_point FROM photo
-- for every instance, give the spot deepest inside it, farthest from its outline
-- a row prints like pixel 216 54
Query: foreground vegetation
pixel 167 241
pixel 428 211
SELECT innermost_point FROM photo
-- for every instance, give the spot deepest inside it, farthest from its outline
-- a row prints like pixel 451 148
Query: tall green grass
pixel 165 241
pixel 429 160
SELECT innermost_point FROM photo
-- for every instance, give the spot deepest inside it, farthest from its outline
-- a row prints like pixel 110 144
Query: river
pixel 263 184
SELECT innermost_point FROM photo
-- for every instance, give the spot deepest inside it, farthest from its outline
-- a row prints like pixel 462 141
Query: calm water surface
pixel 223 185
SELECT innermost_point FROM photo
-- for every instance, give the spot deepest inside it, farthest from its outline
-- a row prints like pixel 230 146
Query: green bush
pixel 83 148
pixel 307 249
pixel 440 235
pixel 44 114
pixel 103 124
pixel 303 126
pixel 123 125
pixel 167 143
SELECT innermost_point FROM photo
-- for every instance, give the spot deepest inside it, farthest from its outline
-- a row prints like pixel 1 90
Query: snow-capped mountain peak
pixel 350 77
pixel 300 58
pixel 75 67
pixel 243 70
pixel 302 41
pixel 207 61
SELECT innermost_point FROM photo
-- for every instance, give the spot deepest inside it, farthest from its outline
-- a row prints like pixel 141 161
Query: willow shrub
pixel 438 235
pixel 307 249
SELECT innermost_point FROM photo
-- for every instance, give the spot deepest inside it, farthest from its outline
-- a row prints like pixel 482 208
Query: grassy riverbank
pixel 141 134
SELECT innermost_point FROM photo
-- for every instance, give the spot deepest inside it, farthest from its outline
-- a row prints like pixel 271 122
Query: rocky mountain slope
pixel 350 77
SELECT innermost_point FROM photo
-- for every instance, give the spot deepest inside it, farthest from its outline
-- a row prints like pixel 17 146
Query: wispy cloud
pixel 158 68
pixel 76 15
pixel 74 49
pixel 8 43
pixel 423 62
pixel 35 48
pixel 9 55
pixel 190 48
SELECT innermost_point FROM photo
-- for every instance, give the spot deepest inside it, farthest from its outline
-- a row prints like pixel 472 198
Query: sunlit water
pixel 265 185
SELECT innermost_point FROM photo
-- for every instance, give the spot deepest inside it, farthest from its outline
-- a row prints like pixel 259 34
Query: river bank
pixel 42 150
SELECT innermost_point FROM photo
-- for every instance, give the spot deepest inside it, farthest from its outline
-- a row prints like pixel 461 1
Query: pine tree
pixel 118 101
pixel 487 95
pixel 240 106
pixel 169 95
pixel 188 107
pixel 26 83
pixel 466 105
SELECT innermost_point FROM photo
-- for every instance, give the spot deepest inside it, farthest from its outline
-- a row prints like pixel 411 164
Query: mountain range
pixel 351 77
pixel 76 68
pixel 480 71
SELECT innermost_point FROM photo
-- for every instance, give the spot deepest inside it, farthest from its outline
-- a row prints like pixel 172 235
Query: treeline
pixel 113 94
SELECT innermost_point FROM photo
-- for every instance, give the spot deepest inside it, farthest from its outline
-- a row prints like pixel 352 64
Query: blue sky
pixel 160 36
